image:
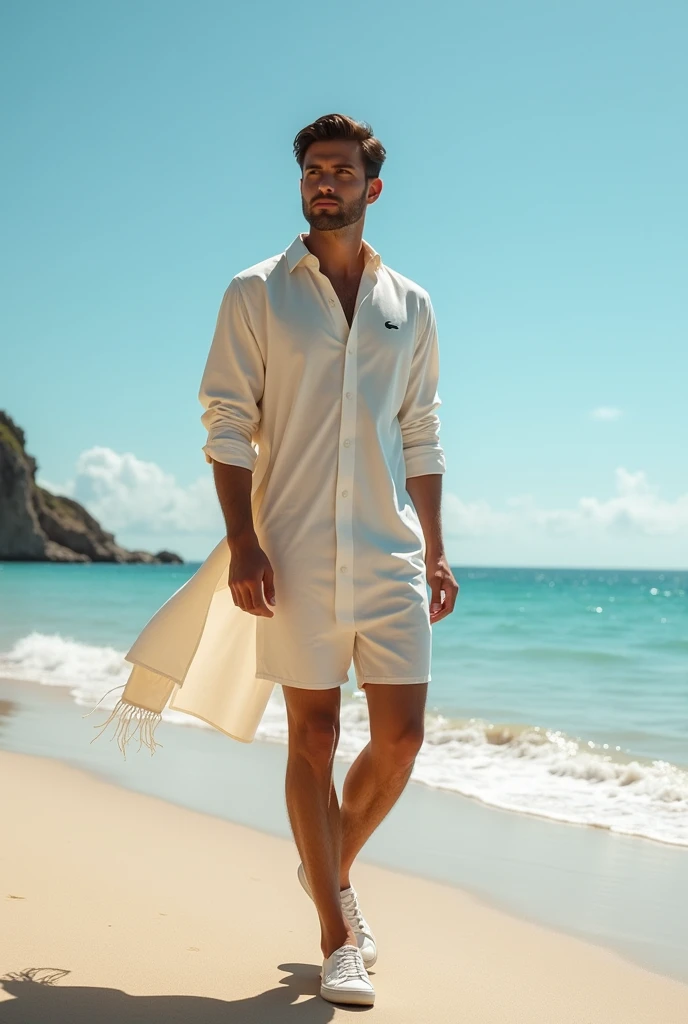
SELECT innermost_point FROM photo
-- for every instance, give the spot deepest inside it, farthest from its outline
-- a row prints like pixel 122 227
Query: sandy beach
pixel 118 906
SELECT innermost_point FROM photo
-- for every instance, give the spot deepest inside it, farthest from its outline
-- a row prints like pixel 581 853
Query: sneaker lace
pixel 349 964
pixel 353 911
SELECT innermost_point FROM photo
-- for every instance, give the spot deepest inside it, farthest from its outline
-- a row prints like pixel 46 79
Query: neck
pixel 340 252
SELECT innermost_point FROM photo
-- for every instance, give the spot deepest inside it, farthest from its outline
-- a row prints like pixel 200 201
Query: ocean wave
pixel 54 660
pixel 515 767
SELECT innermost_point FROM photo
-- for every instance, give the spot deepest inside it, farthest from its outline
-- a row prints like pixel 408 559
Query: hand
pixel 441 581
pixel 250 574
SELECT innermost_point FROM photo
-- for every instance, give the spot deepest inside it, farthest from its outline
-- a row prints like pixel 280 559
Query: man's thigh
pixel 396 711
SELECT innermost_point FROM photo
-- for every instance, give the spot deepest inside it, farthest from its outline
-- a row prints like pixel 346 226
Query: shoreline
pixel 142 905
pixel 609 890
pixel 631 779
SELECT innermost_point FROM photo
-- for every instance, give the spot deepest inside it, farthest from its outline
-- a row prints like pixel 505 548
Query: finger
pixel 256 595
pixel 236 597
pixel 452 596
pixel 269 585
pixel 444 611
pixel 435 595
pixel 438 608
pixel 247 598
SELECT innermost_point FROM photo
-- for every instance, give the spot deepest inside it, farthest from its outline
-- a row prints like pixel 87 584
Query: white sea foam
pixel 515 767
pixel 56 661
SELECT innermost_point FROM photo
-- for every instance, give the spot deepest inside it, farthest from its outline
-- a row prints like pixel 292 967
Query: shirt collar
pixel 299 252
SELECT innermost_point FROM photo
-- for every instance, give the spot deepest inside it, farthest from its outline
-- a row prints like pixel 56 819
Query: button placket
pixel 336 311
pixel 344 527
pixel 344 579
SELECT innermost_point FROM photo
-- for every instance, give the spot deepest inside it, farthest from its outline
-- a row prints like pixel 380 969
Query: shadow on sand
pixel 39 996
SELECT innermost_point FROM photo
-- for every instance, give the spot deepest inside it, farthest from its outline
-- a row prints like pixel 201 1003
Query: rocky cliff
pixel 37 526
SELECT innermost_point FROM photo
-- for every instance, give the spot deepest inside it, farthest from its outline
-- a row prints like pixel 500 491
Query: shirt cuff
pixel 231 453
pixel 423 460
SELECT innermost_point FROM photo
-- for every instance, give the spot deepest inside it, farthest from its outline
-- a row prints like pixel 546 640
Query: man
pixel 326 361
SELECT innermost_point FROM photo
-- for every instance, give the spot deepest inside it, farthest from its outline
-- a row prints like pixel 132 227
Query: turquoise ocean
pixel 556 692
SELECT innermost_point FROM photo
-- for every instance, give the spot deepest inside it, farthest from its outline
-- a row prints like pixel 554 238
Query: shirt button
pixel 342 568
pixel 347 443
pixel 348 394
pixel 331 302
pixel 344 494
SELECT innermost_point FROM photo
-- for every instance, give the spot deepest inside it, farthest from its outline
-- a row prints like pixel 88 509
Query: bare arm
pixel 426 495
pixel 233 486
pixel 251 579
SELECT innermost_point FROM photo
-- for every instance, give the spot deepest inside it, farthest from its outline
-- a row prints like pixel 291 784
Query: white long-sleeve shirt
pixel 332 420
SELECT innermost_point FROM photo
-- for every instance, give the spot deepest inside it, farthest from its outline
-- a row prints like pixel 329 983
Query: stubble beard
pixel 330 219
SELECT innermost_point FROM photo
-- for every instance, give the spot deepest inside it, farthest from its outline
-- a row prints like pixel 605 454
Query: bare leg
pixel 379 774
pixel 313 717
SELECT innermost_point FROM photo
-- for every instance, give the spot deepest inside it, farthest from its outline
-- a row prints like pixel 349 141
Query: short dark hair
pixel 339 126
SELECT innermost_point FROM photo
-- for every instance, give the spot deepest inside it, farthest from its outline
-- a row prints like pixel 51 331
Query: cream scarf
pixel 199 650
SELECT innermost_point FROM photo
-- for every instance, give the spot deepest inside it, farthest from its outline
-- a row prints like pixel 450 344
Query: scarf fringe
pixel 131 719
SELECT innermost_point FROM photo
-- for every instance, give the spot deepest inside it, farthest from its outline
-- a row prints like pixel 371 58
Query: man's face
pixel 333 171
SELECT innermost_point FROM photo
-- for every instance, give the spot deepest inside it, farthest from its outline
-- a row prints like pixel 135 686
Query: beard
pixel 329 219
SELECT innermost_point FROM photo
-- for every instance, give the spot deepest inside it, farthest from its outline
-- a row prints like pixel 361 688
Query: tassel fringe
pixel 131 719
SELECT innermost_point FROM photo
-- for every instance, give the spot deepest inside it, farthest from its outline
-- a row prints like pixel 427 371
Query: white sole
pixel 307 889
pixel 335 995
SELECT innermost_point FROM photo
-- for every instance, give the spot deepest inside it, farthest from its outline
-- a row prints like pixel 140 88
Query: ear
pixel 374 190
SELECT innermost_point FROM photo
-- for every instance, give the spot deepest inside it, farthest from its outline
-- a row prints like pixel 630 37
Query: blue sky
pixel 534 183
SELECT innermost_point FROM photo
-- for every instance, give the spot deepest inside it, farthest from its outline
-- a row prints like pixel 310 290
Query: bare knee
pixel 400 749
pixel 315 739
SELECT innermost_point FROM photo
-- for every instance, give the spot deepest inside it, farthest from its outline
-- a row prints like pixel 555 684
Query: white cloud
pixel 125 493
pixel 605 412
pixel 636 508
pixel 138 500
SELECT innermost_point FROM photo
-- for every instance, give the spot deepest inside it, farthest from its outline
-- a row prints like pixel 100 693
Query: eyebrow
pixel 317 166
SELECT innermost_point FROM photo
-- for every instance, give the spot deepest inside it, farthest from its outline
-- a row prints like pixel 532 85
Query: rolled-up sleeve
pixel 232 385
pixel 420 423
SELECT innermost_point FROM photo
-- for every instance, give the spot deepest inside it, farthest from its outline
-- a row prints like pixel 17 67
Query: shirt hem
pixel 286 681
pixel 396 679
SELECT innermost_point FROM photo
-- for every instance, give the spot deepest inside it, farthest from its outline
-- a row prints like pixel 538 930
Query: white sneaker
pixel 344 979
pixel 360 927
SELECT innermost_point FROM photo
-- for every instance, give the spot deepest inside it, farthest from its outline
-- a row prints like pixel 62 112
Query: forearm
pixel 233 486
pixel 426 494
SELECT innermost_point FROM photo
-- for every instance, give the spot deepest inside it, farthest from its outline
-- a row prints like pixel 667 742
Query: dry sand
pixel 119 908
